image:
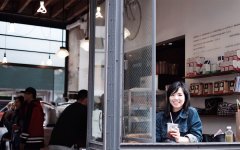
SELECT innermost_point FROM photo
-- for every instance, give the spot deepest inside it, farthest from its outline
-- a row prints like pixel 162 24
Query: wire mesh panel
pixel 137 113
pixel 138 97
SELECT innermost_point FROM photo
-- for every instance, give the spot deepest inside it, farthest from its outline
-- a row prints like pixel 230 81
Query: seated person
pixel 178 111
pixel 6 120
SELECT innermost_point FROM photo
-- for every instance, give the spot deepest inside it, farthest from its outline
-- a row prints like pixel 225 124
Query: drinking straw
pixel 171 116
pixel 238 105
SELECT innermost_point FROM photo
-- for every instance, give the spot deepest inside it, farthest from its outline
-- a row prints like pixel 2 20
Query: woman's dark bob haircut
pixel 173 88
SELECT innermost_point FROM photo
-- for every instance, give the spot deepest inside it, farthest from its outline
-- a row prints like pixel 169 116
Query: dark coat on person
pixel 32 130
pixel 71 127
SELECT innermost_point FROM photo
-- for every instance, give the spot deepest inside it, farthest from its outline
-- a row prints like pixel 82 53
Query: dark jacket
pixel 32 130
pixel 16 120
pixel 71 127
pixel 188 122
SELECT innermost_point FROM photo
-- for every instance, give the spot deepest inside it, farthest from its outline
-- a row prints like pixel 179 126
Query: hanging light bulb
pixel 62 52
pixel 42 8
pixel 126 33
pixel 5 55
pixel 11 28
pixel 98 13
pixel 84 44
pixel 4 58
pixel 49 61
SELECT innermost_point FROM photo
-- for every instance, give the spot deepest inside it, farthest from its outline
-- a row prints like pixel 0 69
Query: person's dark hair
pixel 31 90
pixel 173 88
pixel 53 103
pixel 20 99
pixel 82 94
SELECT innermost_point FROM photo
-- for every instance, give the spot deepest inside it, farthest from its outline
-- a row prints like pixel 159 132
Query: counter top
pixel 180 146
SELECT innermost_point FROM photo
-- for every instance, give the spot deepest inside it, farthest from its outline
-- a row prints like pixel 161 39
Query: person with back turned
pixel 71 127
pixel 32 134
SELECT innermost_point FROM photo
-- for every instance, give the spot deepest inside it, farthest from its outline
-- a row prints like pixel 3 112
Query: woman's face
pixel 17 104
pixel 177 100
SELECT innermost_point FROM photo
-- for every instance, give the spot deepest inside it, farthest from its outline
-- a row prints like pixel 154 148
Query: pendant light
pixel 98 13
pixel 5 55
pixel 4 61
pixel 126 33
pixel 42 8
pixel 84 44
pixel 49 61
pixel 62 52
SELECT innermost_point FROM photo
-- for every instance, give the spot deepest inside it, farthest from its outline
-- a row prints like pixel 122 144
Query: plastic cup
pixel 172 127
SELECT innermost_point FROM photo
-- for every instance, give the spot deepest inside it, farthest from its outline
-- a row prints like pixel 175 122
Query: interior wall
pixel 144 37
pixel 194 17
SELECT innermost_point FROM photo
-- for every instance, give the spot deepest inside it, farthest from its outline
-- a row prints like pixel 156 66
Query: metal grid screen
pixel 137 100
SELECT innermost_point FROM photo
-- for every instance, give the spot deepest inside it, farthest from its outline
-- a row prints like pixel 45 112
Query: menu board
pixel 216 42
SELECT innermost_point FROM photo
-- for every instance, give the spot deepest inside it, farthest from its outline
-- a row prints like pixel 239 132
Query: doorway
pixel 170 65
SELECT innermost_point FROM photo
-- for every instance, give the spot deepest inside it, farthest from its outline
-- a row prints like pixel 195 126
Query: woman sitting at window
pixel 179 113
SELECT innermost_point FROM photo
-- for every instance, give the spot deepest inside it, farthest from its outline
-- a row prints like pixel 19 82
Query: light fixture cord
pixel 49 48
pixel 63 21
pixel 5 38
pixel 62 37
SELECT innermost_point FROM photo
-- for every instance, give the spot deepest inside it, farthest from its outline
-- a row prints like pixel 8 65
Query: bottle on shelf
pixel 229 134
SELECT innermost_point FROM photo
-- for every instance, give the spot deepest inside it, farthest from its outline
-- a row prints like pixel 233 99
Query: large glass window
pixel 31 61
pixel 139 94
pixel 33 42
pixel 97 118
pixel 49 82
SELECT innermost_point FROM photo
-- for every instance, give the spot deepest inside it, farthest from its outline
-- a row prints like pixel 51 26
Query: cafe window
pixel 199 47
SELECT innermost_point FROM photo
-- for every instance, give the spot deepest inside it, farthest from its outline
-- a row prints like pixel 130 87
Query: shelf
pixel 212 74
pixel 224 94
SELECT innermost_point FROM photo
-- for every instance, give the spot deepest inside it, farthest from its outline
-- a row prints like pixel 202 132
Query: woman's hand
pixel 174 134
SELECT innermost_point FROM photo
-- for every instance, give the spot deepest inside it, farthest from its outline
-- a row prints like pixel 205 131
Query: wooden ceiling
pixel 25 11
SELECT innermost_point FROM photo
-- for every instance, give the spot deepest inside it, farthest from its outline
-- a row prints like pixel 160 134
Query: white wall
pixel 192 17
pixel 144 37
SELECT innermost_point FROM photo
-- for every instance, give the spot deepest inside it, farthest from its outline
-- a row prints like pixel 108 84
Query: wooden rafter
pixel 4 4
pixel 59 7
pixel 23 4
pixel 77 11
pixel 25 11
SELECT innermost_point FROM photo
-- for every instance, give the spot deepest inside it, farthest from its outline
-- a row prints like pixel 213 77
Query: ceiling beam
pixel 59 8
pixel 30 20
pixel 77 11
pixel 23 4
pixel 4 4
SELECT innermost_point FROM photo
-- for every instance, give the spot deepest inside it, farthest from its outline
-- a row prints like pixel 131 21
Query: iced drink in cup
pixel 171 127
